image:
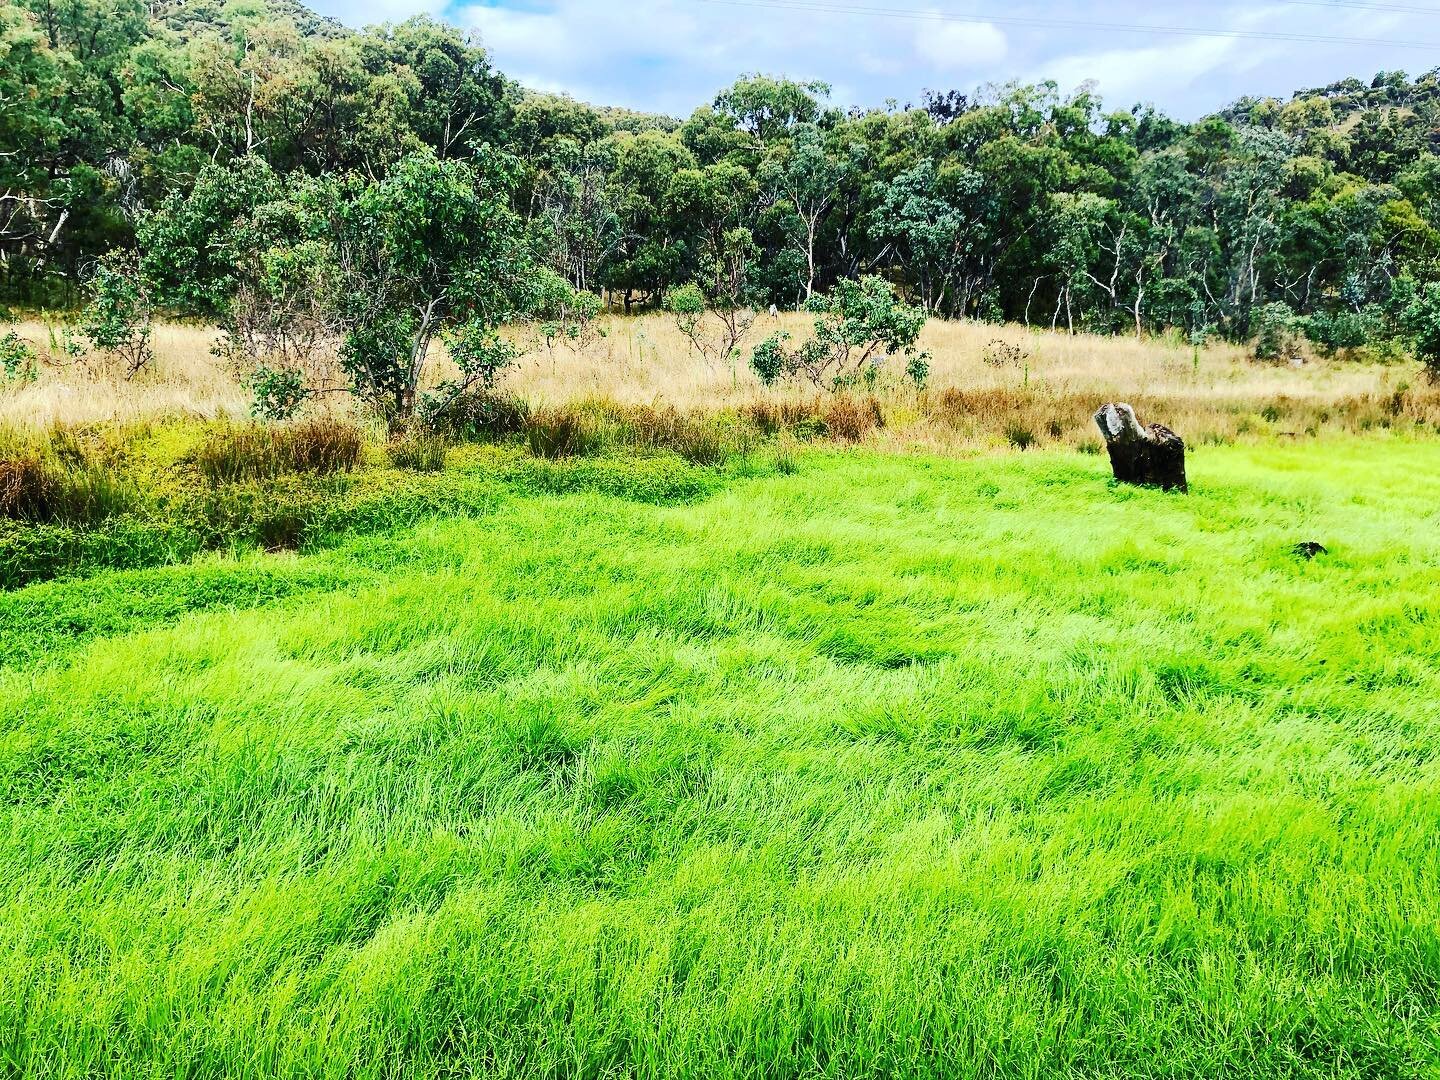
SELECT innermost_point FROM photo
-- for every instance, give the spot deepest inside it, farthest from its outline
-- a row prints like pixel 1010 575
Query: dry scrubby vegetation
pixel 984 381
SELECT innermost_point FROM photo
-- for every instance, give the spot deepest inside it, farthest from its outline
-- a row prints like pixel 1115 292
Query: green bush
pixel 859 326
pixel 1421 321
pixel 117 321
pixel 17 359
pixel 1345 331
pixel 1275 336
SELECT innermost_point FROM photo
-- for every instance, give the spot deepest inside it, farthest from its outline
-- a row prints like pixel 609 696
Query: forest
pixel 202 149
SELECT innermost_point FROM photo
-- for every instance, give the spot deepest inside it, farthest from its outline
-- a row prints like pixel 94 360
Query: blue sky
pixel 671 55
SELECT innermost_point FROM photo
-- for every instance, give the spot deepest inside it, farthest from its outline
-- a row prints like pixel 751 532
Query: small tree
pixel 715 324
pixel 281 330
pixel 562 313
pixel 1420 319
pixel 433 249
pixel 858 327
pixel 117 321
pixel 1275 335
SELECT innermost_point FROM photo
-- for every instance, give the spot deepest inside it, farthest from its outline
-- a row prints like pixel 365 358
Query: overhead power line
pixel 815 7
pixel 1363 5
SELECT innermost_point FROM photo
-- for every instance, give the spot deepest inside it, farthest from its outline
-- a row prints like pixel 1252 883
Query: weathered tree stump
pixel 1153 455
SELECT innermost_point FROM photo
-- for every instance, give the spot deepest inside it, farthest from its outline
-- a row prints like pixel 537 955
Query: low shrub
pixel 18 362
pixel 481 416
pixel 1020 437
pixel 1275 332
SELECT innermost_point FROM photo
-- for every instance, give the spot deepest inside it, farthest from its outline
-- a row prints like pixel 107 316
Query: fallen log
pixel 1150 455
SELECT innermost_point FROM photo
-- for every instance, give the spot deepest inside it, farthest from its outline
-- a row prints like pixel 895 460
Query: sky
pixel 671 55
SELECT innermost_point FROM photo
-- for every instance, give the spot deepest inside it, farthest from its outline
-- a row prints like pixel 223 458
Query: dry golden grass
pixel 1211 394
pixel 185 380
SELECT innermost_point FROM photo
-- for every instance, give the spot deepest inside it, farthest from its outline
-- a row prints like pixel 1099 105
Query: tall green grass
pixel 881 767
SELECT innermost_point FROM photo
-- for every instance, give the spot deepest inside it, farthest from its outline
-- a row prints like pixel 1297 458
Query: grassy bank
pixel 895 766
pixel 74 501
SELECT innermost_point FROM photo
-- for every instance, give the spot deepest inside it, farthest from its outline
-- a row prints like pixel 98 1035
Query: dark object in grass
pixel 1309 549
pixel 1150 455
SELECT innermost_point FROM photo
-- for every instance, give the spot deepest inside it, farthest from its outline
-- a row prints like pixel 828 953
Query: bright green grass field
pixel 893 767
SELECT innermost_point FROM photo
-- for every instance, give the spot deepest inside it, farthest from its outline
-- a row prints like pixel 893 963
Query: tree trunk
pixel 1153 456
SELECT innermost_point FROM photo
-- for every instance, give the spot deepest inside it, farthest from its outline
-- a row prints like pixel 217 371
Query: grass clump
pixel 234 452
pixel 52 487
pixel 850 418
pixel 559 432
pixel 419 451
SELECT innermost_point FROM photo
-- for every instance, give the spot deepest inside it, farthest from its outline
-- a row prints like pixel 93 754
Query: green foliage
pixel 432 248
pixel 685 302
pixel 1275 337
pixel 1346 330
pixel 18 362
pixel 770 359
pixel 859 326
pixel 218 138
pixel 562 313
pixel 482 356
pixel 279 393
pixel 117 322
pixel 1420 319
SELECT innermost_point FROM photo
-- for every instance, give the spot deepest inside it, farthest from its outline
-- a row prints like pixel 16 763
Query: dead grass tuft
pixel 851 419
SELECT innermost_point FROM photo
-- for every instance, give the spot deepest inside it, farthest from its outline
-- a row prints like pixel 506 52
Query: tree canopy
pixel 1017 202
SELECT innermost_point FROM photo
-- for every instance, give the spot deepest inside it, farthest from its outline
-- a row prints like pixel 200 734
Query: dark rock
pixel 1153 456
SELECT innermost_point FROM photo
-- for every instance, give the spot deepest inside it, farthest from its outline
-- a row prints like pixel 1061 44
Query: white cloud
pixel 1124 76
pixel 672 55
pixel 956 46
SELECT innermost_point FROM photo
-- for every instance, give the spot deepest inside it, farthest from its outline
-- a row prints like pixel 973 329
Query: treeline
pixel 1319 215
